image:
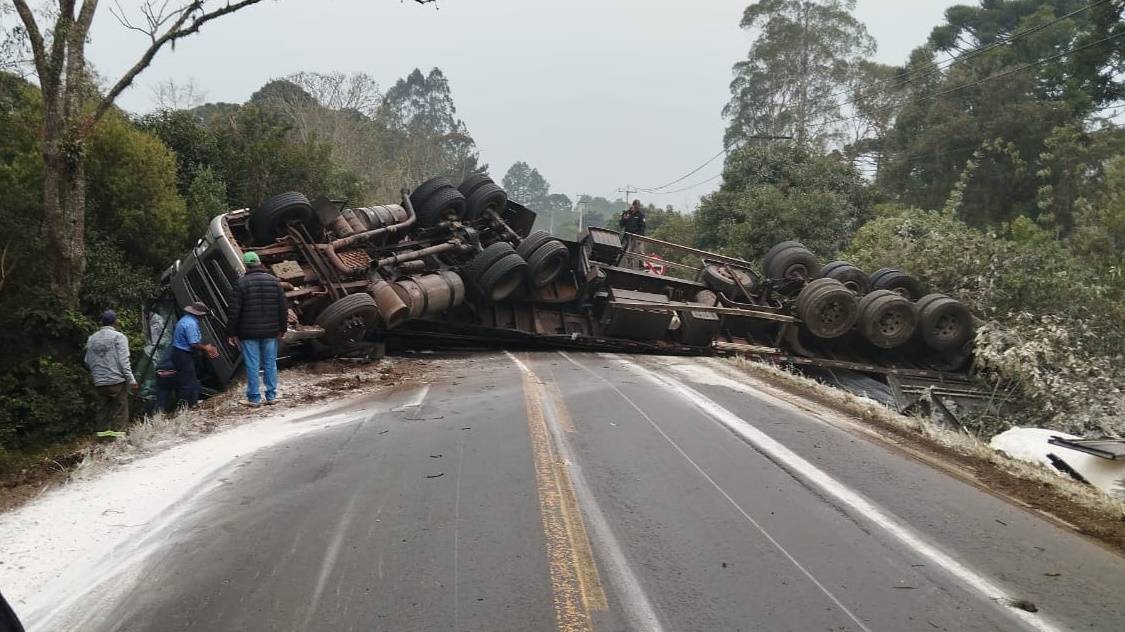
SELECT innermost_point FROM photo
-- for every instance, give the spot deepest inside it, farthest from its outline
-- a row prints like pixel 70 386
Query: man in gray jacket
pixel 107 357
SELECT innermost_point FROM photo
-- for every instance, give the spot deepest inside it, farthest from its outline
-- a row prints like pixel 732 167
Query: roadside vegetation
pixel 990 164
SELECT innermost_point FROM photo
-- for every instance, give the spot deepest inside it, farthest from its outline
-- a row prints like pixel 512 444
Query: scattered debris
pixel 1057 450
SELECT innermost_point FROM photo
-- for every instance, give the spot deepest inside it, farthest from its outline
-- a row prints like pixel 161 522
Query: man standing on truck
pixel 257 318
pixel 107 357
pixel 633 221
pixel 186 340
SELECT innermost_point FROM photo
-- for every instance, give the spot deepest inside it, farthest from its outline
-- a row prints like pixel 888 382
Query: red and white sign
pixel 653 266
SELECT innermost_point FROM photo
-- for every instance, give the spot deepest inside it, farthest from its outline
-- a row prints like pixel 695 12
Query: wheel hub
pixel 891 323
pixel 947 326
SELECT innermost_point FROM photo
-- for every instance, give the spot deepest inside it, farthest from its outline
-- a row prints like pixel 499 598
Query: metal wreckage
pixel 460 265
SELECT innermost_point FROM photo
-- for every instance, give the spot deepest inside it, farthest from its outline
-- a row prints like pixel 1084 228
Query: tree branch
pixel 182 27
pixel 38 51
pixel 76 55
pixel 63 25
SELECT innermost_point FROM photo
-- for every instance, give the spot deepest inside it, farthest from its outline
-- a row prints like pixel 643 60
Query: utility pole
pixel 628 191
pixel 580 206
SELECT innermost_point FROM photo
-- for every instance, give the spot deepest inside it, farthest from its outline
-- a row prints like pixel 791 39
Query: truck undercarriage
pixel 460 265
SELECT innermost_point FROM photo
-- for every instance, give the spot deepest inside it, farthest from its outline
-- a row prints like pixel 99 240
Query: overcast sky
pixel 596 94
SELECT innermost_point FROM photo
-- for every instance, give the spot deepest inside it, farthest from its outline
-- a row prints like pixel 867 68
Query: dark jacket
pixel 632 222
pixel 257 307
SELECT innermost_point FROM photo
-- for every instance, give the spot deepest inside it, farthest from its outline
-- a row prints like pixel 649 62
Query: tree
pixel 425 136
pixel 772 194
pixel 1085 79
pixel 131 192
pixel 800 60
pixel 71 107
pixel 260 156
pixel 984 122
pixel 874 91
pixel 192 143
pixel 525 185
pixel 59 55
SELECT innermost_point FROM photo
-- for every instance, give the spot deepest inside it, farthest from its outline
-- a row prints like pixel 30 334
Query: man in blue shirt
pixel 188 338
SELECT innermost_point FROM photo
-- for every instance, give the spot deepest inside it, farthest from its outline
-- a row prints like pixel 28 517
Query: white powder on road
pixel 57 547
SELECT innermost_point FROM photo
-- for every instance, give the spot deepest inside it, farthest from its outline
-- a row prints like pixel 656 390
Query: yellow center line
pixel 575 583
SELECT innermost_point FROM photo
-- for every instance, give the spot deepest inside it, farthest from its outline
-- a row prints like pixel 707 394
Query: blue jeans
pixel 187 381
pixel 260 354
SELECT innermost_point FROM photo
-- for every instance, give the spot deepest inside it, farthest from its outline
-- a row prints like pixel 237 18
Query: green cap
pixel 250 258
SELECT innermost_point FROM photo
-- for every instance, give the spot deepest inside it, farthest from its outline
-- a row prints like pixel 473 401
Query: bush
pixel 771 194
pixel 44 399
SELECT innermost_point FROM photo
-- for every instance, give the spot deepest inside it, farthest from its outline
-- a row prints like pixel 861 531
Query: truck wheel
pixel 945 324
pixel 426 189
pixel 718 279
pixel 827 308
pixel 852 277
pixel 486 197
pixel 269 219
pixel 886 319
pixel 502 278
pixel 473 182
pixel 532 242
pixel 547 263
pixel 794 262
pixel 484 259
pixel 896 281
pixel 441 204
pixel 346 321
pixel 778 248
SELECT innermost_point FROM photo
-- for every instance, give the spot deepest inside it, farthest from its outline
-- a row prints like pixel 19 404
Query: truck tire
pixel 502 279
pixel 484 259
pixel 473 182
pixel 346 321
pixel 269 219
pixel 793 262
pixel 945 324
pixel 441 204
pixel 547 263
pixel 886 319
pixel 428 188
pixel 778 248
pixel 532 242
pixel 852 277
pixel 827 308
pixel 486 197
pixel 718 279
pixel 897 281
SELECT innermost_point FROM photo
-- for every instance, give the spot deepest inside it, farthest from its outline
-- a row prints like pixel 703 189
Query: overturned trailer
pixel 462 265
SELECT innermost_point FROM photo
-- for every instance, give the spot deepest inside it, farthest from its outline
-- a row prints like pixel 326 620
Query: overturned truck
pixel 461 265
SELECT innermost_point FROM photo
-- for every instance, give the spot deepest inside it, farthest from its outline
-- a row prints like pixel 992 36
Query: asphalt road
pixel 580 492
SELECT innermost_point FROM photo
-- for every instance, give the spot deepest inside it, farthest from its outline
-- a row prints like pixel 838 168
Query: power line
pixel 689 187
pixel 688 174
pixel 725 150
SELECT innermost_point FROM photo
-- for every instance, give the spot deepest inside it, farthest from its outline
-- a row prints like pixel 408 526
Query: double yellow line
pixel 574 575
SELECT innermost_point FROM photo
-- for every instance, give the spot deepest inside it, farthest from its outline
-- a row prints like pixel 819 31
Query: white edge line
pixel 859 504
pixel 757 525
